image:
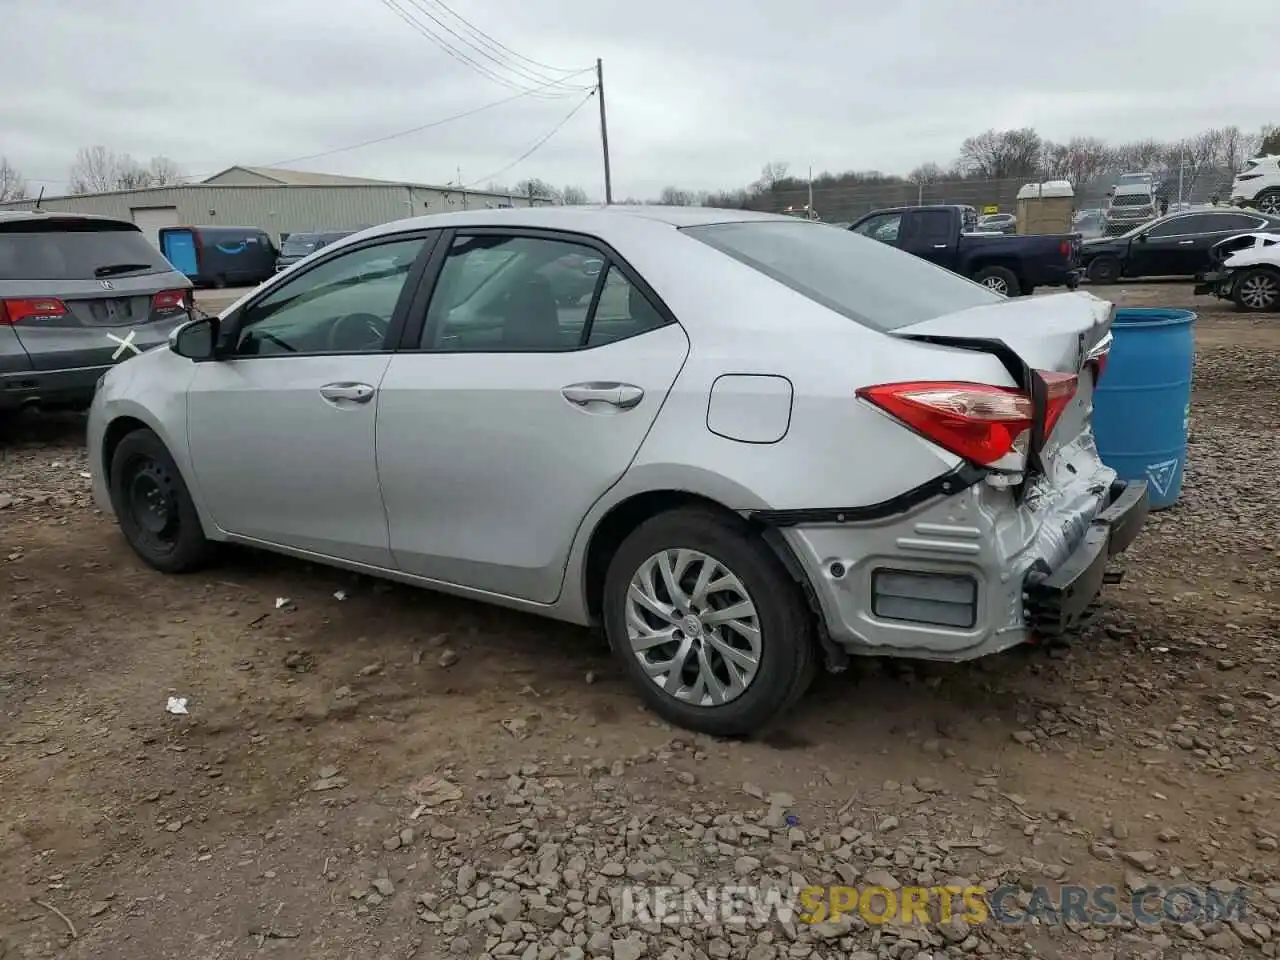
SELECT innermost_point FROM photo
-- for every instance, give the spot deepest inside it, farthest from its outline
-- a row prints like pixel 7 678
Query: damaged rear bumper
pixel 1216 283
pixel 1062 600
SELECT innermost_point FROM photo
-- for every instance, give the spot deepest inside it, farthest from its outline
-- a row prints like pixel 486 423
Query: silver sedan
pixel 748 445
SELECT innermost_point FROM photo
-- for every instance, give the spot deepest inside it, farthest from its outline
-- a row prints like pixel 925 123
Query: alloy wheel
pixel 1269 203
pixel 1260 292
pixel 693 627
pixel 997 284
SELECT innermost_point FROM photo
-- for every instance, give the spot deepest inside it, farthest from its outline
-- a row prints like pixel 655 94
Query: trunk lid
pixel 1055 334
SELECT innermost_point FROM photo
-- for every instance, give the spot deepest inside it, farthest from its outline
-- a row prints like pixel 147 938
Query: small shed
pixel 1046 207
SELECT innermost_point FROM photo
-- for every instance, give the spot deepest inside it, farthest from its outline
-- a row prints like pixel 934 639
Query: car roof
pixel 29 216
pixel 576 218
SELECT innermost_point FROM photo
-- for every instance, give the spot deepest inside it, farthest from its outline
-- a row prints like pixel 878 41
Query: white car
pixel 1247 271
pixel 759 445
pixel 1258 185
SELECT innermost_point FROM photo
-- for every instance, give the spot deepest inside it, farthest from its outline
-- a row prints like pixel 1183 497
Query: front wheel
pixel 1269 202
pixel 999 279
pixel 707 624
pixel 1257 291
pixel 155 510
pixel 1104 270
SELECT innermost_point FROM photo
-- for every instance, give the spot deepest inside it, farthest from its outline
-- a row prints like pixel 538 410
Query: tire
pixel 787 657
pixel 1269 202
pixel 1000 279
pixel 1104 270
pixel 1257 291
pixel 169 536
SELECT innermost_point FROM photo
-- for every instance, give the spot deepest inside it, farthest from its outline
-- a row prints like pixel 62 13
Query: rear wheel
pixel 1269 202
pixel 155 510
pixel 707 624
pixel 1104 270
pixel 1000 279
pixel 1257 291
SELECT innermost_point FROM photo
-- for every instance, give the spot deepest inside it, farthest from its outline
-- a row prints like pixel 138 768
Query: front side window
pixel 873 284
pixel 1172 228
pixel 341 306
pixel 884 228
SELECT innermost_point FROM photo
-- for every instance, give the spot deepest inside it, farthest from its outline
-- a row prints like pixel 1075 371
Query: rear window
pixel 70 254
pixel 862 279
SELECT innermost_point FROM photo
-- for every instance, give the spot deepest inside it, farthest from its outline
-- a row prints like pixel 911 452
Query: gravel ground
pixel 376 772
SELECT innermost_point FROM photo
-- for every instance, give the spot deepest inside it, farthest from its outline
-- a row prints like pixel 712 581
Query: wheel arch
pixel 616 522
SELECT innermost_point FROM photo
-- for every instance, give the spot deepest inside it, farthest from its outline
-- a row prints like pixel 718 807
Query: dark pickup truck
pixel 1012 265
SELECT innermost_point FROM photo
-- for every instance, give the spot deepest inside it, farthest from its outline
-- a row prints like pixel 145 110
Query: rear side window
pixel 78 255
pixel 869 282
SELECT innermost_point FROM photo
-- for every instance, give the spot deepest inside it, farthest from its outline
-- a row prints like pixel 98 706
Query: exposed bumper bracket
pixel 1063 600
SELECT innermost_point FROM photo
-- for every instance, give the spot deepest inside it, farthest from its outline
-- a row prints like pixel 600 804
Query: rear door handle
pixel 940 246
pixel 352 392
pixel 624 396
pixel 1185 243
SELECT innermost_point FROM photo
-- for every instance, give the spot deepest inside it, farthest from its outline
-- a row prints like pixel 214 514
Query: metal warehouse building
pixel 278 201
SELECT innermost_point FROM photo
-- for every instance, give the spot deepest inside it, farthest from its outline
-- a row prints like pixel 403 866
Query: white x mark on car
pixel 749 445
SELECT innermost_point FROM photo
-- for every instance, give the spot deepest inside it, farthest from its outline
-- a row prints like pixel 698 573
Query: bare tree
pixel 1003 154
pixel 97 170
pixel 1269 142
pixel 574 196
pixel 164 172
pixel 925 174
pixel 675 197
pixel 12 186
pixel 773 172
pixel 536 189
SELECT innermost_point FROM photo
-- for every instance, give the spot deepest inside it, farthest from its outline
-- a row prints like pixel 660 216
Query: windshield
pixel 1132 200
pixel 1134 178
pixel 93 254
pixel 862 279
pixel 300 244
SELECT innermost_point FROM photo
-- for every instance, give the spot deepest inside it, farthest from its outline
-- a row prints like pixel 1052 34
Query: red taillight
pixel 169 300
pixel 1061 388
pixel 980 422
pixel 15 311
pixel 1064 248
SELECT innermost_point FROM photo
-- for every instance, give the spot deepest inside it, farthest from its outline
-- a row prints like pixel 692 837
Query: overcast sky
pixel 700 93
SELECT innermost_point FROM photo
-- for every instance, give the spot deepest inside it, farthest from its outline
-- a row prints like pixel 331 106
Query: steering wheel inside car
pixel 357 333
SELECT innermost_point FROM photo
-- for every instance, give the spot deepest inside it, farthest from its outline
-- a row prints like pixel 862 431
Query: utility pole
pixel 604 132
pixel 809 213
pixel 1182 165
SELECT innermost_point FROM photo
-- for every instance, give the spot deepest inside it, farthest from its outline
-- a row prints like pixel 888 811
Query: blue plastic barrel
pixel 1142 405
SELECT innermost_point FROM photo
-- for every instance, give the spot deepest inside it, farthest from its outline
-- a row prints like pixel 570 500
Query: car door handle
pixel 1185 243
pixel 354 392
pixel 940 246
pixel 624 396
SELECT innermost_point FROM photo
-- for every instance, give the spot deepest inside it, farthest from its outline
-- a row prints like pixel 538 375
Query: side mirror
pixel 196 340
pixel 1142 238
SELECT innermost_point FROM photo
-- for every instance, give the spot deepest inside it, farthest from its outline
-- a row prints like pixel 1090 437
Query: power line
pixel 497 56
pixel 461 56
pixel 412 130
pixel 528 153
pixel 494 43
pixel 363 143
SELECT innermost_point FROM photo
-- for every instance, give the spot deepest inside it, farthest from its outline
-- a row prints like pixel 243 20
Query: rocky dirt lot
pixel 376 772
